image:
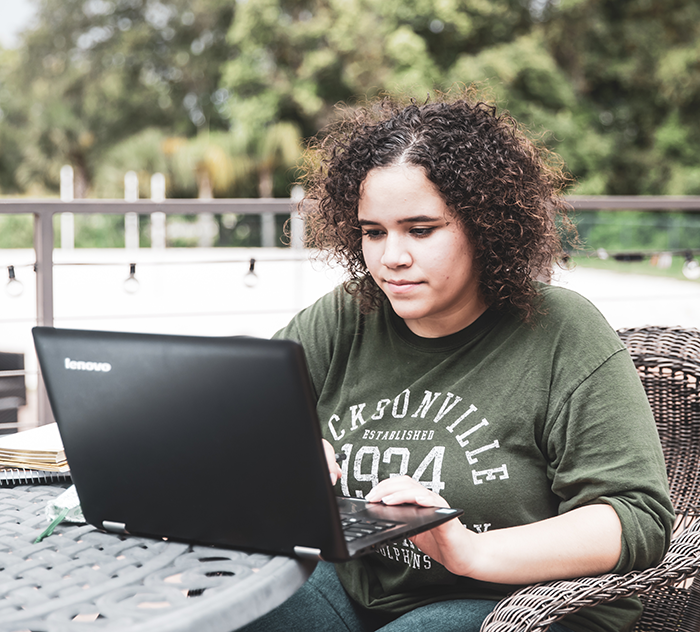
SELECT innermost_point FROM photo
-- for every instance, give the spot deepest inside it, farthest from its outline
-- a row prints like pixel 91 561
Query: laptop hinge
pixel 307 553
pixel 114 527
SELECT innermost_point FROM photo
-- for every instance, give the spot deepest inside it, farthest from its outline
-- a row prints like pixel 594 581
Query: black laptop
pixel 206 440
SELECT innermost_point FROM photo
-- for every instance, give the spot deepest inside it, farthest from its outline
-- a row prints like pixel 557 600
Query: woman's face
pixel 417 252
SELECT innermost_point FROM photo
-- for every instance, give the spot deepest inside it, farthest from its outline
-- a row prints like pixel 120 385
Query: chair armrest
pixel 535 608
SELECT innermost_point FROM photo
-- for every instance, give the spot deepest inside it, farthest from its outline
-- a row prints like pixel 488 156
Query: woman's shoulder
pixel 335 305
pixel 327 313
pixel 575 316
pixel 561 302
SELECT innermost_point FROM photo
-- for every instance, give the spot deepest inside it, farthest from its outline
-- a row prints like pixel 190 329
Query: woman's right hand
pixel 333 466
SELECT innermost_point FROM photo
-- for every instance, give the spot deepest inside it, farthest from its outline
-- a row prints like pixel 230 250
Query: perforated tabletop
pixel 80 579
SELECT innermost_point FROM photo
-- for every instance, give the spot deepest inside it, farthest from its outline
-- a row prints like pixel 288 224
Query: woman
pixel 447 375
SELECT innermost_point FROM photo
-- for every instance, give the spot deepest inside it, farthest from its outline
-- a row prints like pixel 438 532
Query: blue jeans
pixel 322 605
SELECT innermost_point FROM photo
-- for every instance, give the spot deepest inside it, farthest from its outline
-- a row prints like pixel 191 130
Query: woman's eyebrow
pixel 417 219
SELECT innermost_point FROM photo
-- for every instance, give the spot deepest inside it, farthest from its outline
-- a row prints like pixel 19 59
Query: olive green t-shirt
pixel 512 422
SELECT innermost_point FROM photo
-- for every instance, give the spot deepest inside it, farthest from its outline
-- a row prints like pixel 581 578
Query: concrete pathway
pixel 205 291
pixel 630 300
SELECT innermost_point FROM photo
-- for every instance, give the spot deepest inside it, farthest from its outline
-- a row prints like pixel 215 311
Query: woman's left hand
pixel 450 543
pixel 583 541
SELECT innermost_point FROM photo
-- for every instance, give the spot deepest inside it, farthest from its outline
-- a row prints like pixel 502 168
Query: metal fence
pixel 43 212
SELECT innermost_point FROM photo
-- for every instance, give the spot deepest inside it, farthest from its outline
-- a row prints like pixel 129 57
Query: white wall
pixel 181 291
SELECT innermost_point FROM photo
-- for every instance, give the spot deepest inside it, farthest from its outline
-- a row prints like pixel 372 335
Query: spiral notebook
pixel 33 457
pixel 10 477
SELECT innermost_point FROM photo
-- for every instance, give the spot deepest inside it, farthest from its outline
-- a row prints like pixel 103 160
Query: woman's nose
pixel 396 253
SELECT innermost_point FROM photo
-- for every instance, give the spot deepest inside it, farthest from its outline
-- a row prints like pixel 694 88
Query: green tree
pixel 294 60
pixel 209 165
pixel 143 153
pixel 613 86
pixel 635 64
pixel 11 122
pixel 276 149
pixel 95 72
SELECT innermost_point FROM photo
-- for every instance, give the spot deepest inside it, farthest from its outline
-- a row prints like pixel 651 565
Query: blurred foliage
pixel 612 86
pixel 625 231
pixel 94 73
pixel 648 266
pixel 636 64
pixel 96 231
pixel 218 95
pixel 16 231
pixel 295 60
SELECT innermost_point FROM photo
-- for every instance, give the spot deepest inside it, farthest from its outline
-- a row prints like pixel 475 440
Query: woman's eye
pixel 372 234
pixel 422 231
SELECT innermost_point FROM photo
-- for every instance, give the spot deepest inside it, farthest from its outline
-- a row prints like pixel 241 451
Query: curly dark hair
pixel 502 187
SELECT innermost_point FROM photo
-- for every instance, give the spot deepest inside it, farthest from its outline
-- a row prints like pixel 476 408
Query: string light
pixel 661 260
pixel 251 278
pixel 131 284
pixel 14 287
pixel 691 268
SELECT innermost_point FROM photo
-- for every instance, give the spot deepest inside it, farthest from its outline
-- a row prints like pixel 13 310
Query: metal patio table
pixel 81 579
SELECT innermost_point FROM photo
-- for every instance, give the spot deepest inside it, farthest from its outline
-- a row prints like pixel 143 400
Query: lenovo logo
pixel 79 365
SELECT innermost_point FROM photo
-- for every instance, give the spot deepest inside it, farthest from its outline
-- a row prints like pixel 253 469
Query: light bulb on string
pixel 14 287
pixel 131 284
pixel 691 268
pixel 251 278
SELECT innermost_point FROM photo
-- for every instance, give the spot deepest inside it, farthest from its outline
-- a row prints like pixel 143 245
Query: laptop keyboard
pixel 354 528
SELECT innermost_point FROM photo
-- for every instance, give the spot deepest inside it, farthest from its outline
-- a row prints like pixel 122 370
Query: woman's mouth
pixel 400 286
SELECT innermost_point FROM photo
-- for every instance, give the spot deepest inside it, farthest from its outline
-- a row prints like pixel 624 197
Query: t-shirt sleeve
pixel 315 328
pixel 604 448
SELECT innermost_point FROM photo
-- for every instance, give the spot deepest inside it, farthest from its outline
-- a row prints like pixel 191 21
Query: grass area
pixel 649 266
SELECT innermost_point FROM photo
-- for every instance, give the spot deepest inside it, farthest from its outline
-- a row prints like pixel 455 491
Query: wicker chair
pixel 668 363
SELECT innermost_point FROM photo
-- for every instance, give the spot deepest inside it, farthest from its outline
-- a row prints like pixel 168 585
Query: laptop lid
pixel 201 439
